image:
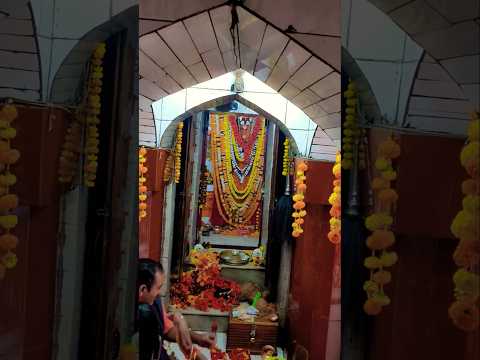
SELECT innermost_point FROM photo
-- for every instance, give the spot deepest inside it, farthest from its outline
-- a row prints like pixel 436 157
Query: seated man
pixel 153 323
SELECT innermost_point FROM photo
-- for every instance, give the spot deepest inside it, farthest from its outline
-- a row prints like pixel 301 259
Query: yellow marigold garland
pixel 464 312
pixel 350 126
pixel 286 158
pixel 334 235
pixel 142 186
pixel 8 201
pixel 299 200
pixel 86 120
pixel 178 152
pixel 379 224
pixel 91 112
pixel 169 165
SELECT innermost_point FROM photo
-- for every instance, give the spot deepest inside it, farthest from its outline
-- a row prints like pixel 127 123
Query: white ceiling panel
pixel 178 39
pixel 262 72
pixel 199 71
pixel 201 30
pixel 334 133
pixel 221 20
pixel 465 70
pixel 456 11
pixel 146 25
pixel 332 104
pixel 305 98
pixel 18 43
pixel 19 60
pixel 230 61
pixel 289 91
pixel 273 44
pixel 418 17
pixel 178 72
pixel 28 80
pixel 156 48
pixel 437 89
pixel 151 90
pixel 249 57
pixel 214 62
pixel 315 111
pixel 327 48
pixel 329 121
pixel 327 86
pixel 310 72
pixel 251 29
pixel 17 27
pixel 144 103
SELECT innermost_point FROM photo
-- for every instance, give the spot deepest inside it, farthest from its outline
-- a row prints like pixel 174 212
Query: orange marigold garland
pixel 335 200
pixel 178 152
pixel 71 149
pixel 464 312
pixel 8 201
pixel 379 223
pixel 142 186
pixel 299 200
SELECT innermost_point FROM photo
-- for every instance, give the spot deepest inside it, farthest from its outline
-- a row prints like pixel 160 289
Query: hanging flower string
pixel 335 200
pixel 178 152
pixel 298 198
pixel 350 126
pixel 464 312
pixel 8 201
pixel 86 119
pixel 142 186
pixel 169 165
pixel 92 112
pixel 286 158
pixel 379 223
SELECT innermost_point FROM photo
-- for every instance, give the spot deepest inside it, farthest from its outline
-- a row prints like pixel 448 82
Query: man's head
pixel 150 280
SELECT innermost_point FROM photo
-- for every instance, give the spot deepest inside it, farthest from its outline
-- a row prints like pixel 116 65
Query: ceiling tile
pixel 273 43
pixel 289 91
pixel 178 72
pixel 229 59
pixel 178 39
pixel 326 48
pixel 214 62
pixel 151 71
pixel 146 25
pixel 28 80
pixel 325 140
pixel 144 103
pixel 199 71
pixel 332 104
pixel 18 43
pixel 305 99
pixel 389 5
pixel 472 92
pixel 329 121
pixel 439 107
pixel 456 11
pixel 201 30
pixel 19 60
pixel 315 111
pixel 334 133
pixel 324 149
pixel 465 70
pixel 292 58
pixel 417 17
pixel 429 71
pixel 441 124
pixel 151 90
pixel 437 89
pixel 17 27
pixel 251 29
pixel 262 72
pixel 221 19
pixel 249 57
pixel 327 86
pixel 311 71
pixel 457 40
pixel 156 48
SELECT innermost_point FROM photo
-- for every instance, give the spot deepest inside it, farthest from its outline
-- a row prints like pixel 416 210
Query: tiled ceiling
pixel 19 58
pixel 183 53
pixel 449 31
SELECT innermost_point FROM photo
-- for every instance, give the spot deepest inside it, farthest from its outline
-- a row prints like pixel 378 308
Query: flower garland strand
pixel 286 158
pixel 464 311
pixel 142 186
pixel 379 223
pixel 92 112
pixel 178 152
pixel 298 198
pixel 334 235
pixel 350 126
pixel 8 201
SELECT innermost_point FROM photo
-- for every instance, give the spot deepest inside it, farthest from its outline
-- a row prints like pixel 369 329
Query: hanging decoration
pixel 142 183
pixel 334 235
pixel 169 165
pixel 351 130
pixel 178 152
pixel 464 312
pixel 379 224
pixel 286 158
pixel 203 287
pixel 237 157
pixel 8 201
pixel 84 124
pixel 299 200
pixel 202 192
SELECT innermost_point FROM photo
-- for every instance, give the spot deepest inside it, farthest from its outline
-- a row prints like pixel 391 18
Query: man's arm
pixel 181 333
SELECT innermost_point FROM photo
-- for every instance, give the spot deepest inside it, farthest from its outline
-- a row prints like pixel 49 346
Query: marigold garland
pixel 464 312
pixel 299 200
pixel 169 165
pixel 203 287
pixel 142 186
pixel 286 158
pixel 350 126
pixel 379 224
pixel 8 201
pixel 334 235
pixel 85 123
pixel 178 152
